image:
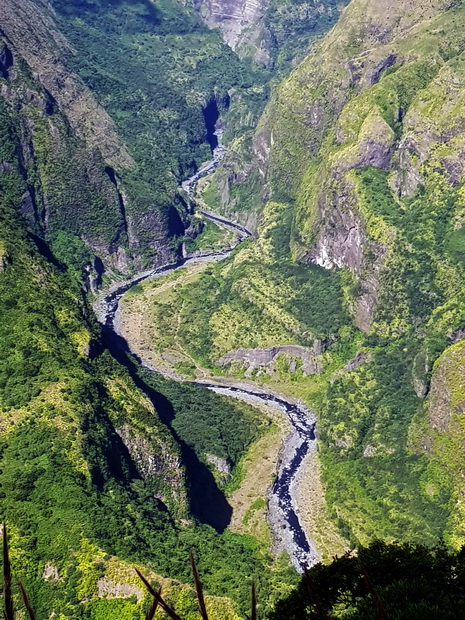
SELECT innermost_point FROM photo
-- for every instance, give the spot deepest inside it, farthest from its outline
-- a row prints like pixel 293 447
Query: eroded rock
pixel 106 588
pixel 155 461
pixel 267 360
pixel 447 395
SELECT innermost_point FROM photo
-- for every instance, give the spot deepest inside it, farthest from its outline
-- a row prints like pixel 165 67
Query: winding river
pixel 288 533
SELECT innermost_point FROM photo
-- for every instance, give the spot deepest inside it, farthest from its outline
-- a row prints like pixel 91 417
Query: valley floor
pixel 135 321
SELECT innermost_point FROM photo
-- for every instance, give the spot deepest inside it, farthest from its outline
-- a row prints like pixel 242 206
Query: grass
pixel 212 237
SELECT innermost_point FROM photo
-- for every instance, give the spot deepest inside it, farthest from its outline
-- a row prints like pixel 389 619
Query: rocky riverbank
pixel 283 510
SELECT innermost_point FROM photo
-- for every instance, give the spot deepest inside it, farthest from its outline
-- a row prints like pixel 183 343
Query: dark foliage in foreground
pixel 385 581
pixel 158 600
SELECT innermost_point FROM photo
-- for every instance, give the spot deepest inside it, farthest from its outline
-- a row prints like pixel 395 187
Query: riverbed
pixel 283 512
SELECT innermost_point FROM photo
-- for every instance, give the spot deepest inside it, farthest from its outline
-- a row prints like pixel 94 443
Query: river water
pixel 218 153
pixel 288 533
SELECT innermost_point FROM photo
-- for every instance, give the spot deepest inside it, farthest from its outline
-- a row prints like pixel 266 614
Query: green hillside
pixel 91 479
pixel 349 297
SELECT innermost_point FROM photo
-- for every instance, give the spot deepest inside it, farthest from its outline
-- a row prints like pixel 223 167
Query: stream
pixel 283 514
pixel 218 153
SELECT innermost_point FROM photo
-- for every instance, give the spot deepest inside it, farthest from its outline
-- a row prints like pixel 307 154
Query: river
pixel 218 153
pixel 287 530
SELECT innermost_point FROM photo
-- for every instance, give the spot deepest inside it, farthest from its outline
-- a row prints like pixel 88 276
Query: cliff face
pixel 31 30
pixel 366 141
pixel 69 187
pixel 83 451
pixel 355 105
pixel 62 406
pixel 276 34
pixel 356 189
pixel 241 25
pixel 71 151
pixel 273 33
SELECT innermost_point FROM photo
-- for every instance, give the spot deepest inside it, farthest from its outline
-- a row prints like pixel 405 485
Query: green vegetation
pixel 366 158
pixel 258 504
pixel 66 192
pixel 258 298
pixel 381 581
pixel 177 67
pixel 294 25
pixel 380 455
pixel 66 475
pixel 208 422
pixel 101 464
pixel 211 237
pixel 90 477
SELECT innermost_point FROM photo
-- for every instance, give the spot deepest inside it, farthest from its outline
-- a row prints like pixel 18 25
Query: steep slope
pixel 359 259
pixel 378 193
pixel 69 188
pixel 130 141
pixel 411 581
pixel 277 34
pixel 271 32
pixel 65 417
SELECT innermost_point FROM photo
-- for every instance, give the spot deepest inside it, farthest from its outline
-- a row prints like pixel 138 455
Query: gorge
pixel 288 533
pixel 232 306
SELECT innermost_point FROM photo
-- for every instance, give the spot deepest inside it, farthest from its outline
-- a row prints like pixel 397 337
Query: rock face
pixel 240 23
pixel 221 468
pixel 364 146
pixel 421 368
pixel 111 589
pixel 326 122
pixel 340 244
pixel 447 396
pixel 341 238
pixel 73 157
pixel 267 360
pixel 67 179
pixel 50 573
pixel 156 462
pixel 31 32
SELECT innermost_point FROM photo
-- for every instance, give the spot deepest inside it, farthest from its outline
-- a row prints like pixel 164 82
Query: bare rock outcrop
pixel 267 360
pixel 241 24
pixel 156 462
pixel 341 238
pixel 447 395
pixel 107 588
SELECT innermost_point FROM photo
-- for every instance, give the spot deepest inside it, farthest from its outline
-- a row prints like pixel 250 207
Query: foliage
pixel 177 66
pixel 65 472
pixel 294 25
pixel 208 422
pixel 381 580
pixel 386 470
pixel 211 237
pixel 258 298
